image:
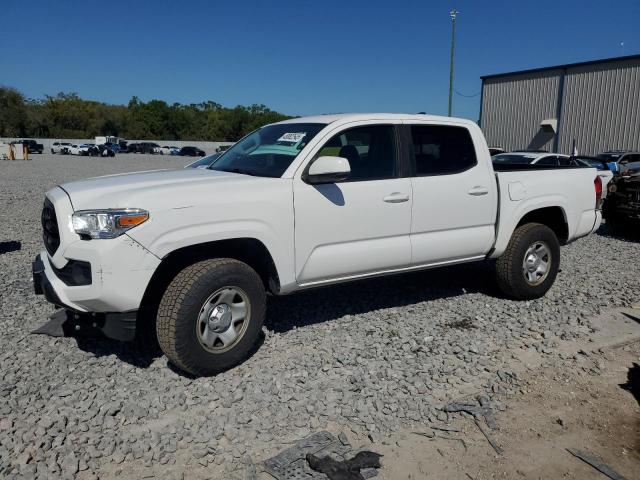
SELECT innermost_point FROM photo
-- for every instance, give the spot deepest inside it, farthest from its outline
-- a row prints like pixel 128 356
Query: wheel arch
pixel 553 217
pixel 248 250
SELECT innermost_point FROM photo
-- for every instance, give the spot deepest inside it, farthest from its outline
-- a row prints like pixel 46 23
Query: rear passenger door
pixel 454 194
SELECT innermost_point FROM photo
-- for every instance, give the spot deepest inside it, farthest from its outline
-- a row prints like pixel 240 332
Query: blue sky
pixel 299 56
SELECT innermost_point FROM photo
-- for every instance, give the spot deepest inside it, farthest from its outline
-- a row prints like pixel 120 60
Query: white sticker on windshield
pixel 292 137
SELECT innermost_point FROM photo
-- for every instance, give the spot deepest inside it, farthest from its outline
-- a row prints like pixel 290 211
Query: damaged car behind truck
pixel 295 205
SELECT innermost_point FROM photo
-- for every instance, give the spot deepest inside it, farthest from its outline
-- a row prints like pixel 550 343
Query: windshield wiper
pixel 241 171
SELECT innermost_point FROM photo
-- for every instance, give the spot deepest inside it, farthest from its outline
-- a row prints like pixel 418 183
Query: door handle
pixel 478 190
pixel 396 197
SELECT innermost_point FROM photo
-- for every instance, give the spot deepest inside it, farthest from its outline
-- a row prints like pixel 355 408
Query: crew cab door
pixel 454 193
pixel 358 226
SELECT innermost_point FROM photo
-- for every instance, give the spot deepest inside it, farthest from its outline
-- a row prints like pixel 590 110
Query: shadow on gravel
pixel 633 382
pixel 10 246
pixel 363 296
pixel 326 304
pixel 140 353
pixel 628 235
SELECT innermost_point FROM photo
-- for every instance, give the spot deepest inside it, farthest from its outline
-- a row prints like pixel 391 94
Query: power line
pixel 467 96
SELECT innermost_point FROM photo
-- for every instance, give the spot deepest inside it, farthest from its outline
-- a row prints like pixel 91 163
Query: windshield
pixel 268 151
pixel 203 162
pixel 512 158
pixel 591 162
pixel 610 157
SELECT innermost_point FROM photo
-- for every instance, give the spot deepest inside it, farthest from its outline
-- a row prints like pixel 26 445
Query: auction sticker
pixel 292 137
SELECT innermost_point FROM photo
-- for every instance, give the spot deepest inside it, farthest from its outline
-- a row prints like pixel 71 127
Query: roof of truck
pixel 351 117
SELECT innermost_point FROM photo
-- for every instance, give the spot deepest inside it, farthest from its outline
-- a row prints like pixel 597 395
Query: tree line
pixel 66 115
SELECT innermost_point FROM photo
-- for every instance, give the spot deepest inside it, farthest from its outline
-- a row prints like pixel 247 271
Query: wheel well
pixel 552 217
pixel 248 250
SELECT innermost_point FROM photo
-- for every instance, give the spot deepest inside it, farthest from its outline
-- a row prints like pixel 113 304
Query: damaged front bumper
pixel 116 325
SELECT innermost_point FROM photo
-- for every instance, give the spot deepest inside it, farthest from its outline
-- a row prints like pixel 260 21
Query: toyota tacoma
pixel 295 205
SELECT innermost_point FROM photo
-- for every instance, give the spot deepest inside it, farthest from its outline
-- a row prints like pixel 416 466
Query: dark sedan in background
pixel 191 152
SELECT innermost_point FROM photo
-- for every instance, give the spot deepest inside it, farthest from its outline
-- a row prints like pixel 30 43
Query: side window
pixel 442 150
pixel 566 162
pixel 548 160
pixel 371 152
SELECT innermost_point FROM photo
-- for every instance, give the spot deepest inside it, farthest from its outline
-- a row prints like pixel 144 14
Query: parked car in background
pixel 622 208
pixel 82 149
pixel 222 148
pixel 191 152
pixel 60 147
pixel 147 147
pixel 104 150
pixel 534 158
pixel 619 159
pixel 167 150
pixel 600 165
pixel 114 147
pixel 204 162
pixel 373 194
pixel 32 145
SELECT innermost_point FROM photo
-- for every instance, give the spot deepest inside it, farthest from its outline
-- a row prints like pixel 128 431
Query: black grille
pixel 50 233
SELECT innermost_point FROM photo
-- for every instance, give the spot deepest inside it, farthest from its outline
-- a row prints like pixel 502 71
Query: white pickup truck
pixel 298 204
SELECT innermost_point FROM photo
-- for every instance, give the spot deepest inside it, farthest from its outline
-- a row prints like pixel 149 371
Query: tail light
pixel 597 183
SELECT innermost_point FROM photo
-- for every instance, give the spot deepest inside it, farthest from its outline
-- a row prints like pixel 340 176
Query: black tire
pixel 52 152
pixel 177 321
pixel 509 267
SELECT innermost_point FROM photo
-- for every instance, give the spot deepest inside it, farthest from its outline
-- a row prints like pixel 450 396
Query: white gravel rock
pixel 371 356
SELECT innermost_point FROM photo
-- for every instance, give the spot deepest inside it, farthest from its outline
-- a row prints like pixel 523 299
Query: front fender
pixel 276 237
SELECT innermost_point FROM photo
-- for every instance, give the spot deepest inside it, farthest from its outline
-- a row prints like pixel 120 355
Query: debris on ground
pixel 595 463
pixel 320 453
pixel 481 410
pixel 347 469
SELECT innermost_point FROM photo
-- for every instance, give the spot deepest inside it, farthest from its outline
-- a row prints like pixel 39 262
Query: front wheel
pixel 211 315
pixel 529 265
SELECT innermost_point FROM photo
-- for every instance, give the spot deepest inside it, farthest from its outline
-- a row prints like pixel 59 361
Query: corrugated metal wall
pixel 601 107
pixel 513 107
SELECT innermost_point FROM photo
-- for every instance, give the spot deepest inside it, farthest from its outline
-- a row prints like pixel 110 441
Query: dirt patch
pixel 586 403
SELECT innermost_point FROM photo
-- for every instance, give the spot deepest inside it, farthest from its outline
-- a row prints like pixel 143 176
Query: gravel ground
pixel 369 357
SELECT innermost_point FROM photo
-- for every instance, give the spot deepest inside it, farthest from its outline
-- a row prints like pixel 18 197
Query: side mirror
pixel 328 170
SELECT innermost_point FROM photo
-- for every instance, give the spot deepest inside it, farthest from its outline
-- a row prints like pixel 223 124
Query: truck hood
pixel 177 188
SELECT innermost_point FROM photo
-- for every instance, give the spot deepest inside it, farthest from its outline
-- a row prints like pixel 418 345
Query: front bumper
pixel 116 325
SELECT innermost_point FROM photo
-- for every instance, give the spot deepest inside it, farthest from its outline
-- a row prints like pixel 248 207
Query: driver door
pixel 362 225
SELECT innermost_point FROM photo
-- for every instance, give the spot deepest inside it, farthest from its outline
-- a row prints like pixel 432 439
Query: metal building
pixel 596 104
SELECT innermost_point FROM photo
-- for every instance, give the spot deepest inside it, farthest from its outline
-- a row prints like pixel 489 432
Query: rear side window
pixel 548 161
pixel 441 150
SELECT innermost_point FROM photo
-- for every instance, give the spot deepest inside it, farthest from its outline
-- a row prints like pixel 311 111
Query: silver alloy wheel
pixel 536 263
pixel 223 319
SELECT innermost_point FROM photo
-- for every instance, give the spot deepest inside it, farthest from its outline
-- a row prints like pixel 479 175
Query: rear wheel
pixel 211 315
pixel 529 265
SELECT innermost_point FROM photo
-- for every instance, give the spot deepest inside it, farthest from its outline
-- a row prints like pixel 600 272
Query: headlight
pixel 110 223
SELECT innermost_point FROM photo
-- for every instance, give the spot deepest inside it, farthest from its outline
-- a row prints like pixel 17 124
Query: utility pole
pixel 454 13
